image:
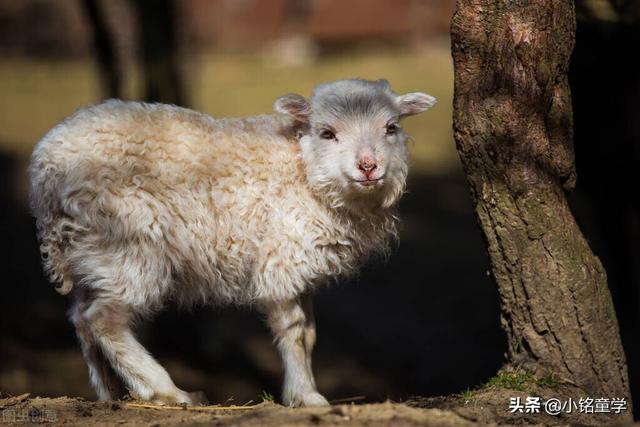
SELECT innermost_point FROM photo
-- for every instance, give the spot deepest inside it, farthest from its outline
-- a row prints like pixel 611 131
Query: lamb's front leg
pixel 306 302
pixel 288 323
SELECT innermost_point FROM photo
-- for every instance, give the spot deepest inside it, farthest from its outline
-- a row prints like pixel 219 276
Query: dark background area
pixel 425 323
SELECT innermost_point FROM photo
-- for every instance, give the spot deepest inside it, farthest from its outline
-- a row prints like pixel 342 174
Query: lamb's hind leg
pixel 103 379
pixel 108 323
pixel 287 321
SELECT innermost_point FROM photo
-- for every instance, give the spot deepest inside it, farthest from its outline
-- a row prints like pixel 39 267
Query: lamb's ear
pixel 293 105
pixel 414 103
pixel 384 84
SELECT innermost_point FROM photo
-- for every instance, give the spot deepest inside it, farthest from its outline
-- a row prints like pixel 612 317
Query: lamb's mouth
pixel 369 182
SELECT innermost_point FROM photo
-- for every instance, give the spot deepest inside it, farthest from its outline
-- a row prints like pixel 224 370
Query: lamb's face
pixel 354 148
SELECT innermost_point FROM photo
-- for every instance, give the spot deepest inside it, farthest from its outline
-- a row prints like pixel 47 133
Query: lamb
pixel 137 205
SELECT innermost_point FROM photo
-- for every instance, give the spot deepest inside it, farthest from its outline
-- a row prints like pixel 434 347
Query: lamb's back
pixel 196 192
pixel 131 138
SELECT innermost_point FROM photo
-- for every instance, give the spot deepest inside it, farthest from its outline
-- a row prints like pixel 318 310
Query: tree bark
pixel 513 131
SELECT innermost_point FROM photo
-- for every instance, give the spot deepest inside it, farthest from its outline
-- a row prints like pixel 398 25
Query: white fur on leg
pixel 287 322
pixel 102 378
pixel 143 376
pixel 146 379
pixel 309 331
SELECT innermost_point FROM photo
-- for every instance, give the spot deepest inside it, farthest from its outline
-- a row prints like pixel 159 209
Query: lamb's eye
pixel 327 134
pixel 392 128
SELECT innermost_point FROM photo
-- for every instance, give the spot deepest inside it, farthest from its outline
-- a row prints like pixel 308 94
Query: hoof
pixel 178 397
pixel 307 400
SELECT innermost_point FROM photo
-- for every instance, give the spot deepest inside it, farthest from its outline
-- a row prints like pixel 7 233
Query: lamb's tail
pixel 53 227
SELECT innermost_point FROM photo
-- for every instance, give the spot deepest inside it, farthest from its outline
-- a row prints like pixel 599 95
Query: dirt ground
pixel 439 411
pixel 80 412
pixel 75 411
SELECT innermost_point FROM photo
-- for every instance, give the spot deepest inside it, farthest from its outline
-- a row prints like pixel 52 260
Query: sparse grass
pixel 468 394
pixel 266 396
pixel 38 94
pixel 517 380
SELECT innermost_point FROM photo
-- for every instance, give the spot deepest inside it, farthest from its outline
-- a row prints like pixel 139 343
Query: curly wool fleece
pixel 137 204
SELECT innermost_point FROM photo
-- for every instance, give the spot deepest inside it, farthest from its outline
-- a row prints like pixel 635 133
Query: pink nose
pixel 367 165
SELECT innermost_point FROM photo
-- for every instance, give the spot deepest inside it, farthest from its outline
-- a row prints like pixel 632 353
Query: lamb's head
pixel 353 147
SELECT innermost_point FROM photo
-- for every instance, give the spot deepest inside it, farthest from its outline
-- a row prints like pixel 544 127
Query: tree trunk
pixel 513 130
pixel 159 43
pixel 110 76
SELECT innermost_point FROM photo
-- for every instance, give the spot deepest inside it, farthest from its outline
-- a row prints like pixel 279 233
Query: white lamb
pixel 139 204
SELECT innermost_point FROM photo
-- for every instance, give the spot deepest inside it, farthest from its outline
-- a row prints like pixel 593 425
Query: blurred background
pixel 426 323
